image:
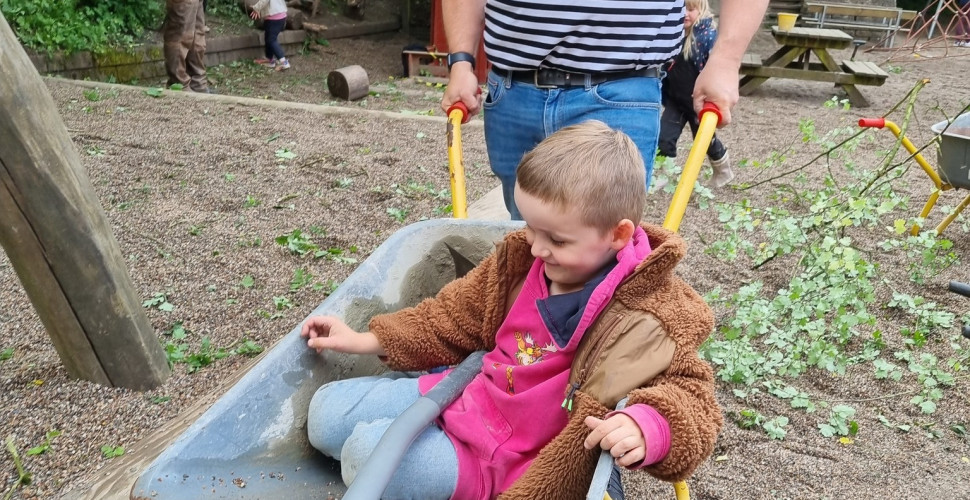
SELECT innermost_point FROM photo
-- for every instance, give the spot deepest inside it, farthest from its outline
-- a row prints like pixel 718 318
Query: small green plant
pixel 398 214
pixel 284 154
pixel 110 451
pixel 282 303
pixel 95 151
pixel 155 92
pixel 252 201
pixel 248 348
pixel 23 477
pixel 327 288
pixel 195 229
pixel 247 281
pixel 46 445
pixel 840 422
pixel 297 243
pixel 160 302
pixel 92 95
pixel 337 255
pixel 301 278
pixel 6 354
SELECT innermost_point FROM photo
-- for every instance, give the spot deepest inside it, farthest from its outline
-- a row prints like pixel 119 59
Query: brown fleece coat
pixel 643 346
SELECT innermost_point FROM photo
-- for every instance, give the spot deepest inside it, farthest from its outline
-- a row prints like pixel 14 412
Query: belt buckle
pixel 535 80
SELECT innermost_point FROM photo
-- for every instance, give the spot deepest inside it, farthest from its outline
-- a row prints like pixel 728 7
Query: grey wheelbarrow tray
pixel 252 444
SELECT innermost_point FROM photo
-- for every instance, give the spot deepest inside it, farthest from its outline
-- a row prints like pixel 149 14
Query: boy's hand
pixel 328 332
pixel 620 435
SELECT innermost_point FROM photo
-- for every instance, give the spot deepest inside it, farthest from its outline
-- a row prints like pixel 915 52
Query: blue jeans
pixel 348 417
pixel 519 115
pixel 273 29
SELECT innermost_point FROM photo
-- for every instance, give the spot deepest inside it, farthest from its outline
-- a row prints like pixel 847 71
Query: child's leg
pixel 348 417
pixel 273 47
pixel 428 470
pixel 338 406
pixel 671 126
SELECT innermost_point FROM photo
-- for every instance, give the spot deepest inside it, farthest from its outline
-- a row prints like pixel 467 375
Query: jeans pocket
pixel 629 93
pixel 495 87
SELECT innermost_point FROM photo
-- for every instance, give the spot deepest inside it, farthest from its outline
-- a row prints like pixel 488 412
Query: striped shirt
pixel 582 35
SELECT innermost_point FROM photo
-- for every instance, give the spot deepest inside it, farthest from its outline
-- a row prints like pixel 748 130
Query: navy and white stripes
pixel 582 36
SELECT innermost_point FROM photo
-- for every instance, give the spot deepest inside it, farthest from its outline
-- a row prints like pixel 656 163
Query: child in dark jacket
pixel 578 310
pixel 678 87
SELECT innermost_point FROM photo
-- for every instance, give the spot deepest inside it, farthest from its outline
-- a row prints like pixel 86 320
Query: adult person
pixel 184 44
pixel 559 62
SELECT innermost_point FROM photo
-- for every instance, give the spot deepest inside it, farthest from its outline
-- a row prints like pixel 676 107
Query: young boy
pixel 581 304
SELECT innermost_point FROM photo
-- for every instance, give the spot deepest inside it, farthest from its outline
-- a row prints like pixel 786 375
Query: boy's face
pixel 573 252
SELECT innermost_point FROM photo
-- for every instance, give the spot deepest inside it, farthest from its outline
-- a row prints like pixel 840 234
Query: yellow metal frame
pixel 710 117
pixel 930 171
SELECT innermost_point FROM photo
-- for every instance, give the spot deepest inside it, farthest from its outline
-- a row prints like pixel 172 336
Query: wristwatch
pixel 454 57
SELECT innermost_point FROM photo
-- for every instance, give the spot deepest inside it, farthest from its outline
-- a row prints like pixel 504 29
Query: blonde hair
pixel 703 12
pixel 591 167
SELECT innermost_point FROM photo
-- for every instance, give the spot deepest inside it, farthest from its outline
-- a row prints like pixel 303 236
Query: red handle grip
pixel 712 108
pixel 460 106
pixel 872 122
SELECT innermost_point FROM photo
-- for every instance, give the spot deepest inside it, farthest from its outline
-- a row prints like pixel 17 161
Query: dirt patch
pixel 197 192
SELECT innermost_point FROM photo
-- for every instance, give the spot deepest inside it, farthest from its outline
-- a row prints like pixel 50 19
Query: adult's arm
pixel 464 21
pixel 718 82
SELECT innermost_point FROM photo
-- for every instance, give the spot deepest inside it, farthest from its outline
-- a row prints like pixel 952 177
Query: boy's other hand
pixel 620 435
pixel 328 332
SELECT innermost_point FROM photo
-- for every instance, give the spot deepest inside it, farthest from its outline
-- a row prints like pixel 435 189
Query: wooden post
pixel 58 239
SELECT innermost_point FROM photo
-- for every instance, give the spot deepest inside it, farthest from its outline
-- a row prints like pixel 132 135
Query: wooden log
pixel 59 241
pixel 349 83
pixel 294 19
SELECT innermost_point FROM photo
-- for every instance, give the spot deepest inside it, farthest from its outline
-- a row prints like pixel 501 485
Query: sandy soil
pixel 197 190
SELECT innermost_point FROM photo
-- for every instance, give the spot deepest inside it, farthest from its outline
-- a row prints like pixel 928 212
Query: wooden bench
pixel 856 17
pixel 426 63
pixel 866 73
pixel 751 60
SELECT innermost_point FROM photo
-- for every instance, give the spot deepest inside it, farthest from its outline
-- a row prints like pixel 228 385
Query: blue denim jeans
pixel 273 29
pixel 518 115
pixel 348 417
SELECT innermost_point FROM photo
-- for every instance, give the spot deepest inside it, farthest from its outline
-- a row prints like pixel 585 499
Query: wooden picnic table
pixel 794 60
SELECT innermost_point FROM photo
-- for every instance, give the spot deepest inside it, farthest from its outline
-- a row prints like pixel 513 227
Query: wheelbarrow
pixel 252 443
pixel 953 157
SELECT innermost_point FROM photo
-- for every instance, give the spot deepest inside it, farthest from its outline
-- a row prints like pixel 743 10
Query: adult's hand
pixel 717 83
pixel 463 87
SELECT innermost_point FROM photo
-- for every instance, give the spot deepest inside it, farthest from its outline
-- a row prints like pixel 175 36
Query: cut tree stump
pixel 349 83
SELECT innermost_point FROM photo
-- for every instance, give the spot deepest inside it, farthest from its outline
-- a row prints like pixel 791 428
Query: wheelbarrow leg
pixel 949 218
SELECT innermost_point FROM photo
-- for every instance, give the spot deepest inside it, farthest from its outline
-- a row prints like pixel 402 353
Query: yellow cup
pixel 786 21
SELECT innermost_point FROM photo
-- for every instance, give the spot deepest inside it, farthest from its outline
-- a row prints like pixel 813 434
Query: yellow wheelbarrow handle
pixel 457 114
pixel 710 116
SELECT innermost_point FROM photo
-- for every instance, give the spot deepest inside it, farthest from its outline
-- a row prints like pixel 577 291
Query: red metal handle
pixel 460 106
pixel 872 122
pixel 712 108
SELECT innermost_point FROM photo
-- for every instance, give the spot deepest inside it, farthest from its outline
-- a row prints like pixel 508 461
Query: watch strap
pixel 454 57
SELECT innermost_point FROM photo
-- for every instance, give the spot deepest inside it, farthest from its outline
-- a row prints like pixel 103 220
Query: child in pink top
pixel 273 13
pixel 577 310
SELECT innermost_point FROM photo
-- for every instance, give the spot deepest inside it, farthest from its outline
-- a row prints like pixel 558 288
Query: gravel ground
pixel 197 190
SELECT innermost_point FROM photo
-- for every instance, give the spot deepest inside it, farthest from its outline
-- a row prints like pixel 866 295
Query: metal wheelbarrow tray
pixel 252 443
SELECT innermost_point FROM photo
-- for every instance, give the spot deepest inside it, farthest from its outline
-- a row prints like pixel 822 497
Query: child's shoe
pixel 263 60
pixel 284 64
pixel 722 171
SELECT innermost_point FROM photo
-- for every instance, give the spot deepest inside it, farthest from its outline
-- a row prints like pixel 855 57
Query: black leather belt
pixel 552 78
